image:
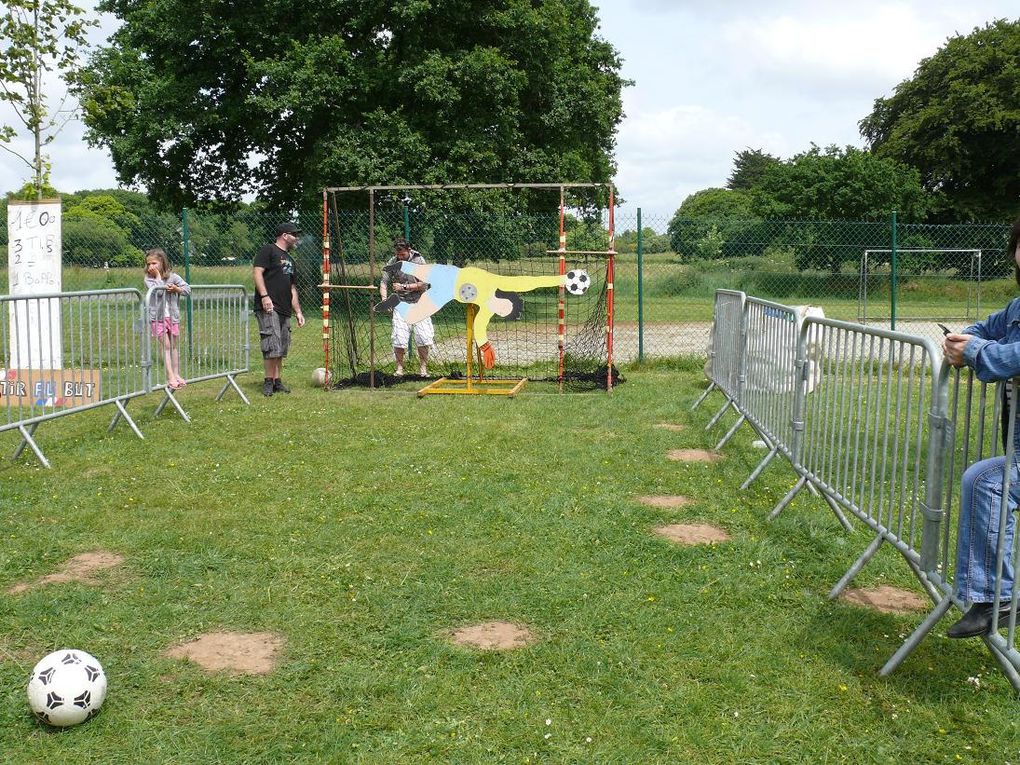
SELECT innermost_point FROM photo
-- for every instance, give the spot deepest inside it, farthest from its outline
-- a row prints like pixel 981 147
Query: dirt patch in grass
pixel 666 501
pixel 674 426
pixel 493 636
pixel 887 599
pixel 238 653
pixel 692 533
pixel 693 455
pixel 80 568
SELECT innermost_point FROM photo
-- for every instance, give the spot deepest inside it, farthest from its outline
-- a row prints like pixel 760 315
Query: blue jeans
pixel 980 502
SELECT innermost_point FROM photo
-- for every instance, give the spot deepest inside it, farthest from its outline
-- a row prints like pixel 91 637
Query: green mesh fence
pixel 666 270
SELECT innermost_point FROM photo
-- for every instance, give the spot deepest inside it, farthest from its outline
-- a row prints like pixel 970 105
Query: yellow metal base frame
pixel 470 385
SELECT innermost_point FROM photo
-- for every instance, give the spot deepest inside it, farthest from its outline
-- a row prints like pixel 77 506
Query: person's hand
pixel 152 270
pixel 267 304
pixel 952 348
pixel 300 319
pixel 400 287
pixel 172 288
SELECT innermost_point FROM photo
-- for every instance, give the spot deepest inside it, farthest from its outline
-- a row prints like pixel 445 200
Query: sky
pixel 711 78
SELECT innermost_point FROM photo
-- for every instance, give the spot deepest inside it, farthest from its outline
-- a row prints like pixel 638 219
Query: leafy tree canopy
pixel 204 102
pixel 839 184
pixel 749 166
pixel 957 120
pixel 716 203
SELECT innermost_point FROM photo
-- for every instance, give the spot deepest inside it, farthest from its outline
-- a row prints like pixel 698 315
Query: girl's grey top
pixel 166 304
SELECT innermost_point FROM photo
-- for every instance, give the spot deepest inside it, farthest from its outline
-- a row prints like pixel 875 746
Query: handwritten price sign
pixel 34 262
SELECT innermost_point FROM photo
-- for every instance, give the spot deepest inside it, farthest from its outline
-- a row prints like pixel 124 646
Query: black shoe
pixel 978 621
pixel 267 388
pixel 279 387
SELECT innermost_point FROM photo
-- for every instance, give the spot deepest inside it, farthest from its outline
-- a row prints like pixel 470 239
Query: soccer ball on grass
pixel 66 687
pixel 320 377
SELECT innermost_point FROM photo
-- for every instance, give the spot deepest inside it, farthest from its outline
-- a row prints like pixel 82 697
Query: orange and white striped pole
pixel 610 271
pixel 562 314
pixel 325 283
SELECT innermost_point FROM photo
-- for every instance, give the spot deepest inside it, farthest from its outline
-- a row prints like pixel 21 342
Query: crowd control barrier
pixel 726 346
pixel 861 436
pixel 877 423
pixel 69 352
pixel 213 343
pixel 981 425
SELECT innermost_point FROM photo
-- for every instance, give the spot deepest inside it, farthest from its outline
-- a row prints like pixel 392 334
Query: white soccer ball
pixel 66 687
pixel 320 377
pixel 578 282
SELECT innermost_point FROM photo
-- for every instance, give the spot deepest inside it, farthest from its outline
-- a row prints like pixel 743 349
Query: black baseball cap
pixel 287 228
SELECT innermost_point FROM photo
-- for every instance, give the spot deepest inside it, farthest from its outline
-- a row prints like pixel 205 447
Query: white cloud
pixel 846 53
pixel 666 155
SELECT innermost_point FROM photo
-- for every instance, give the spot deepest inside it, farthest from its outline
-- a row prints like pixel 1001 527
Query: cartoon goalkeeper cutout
pixel 494 294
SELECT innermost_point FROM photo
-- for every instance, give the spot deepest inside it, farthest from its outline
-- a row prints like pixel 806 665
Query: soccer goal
pixel 914 263
pixel 509 237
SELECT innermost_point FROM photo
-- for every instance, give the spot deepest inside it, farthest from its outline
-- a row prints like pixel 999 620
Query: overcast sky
pixel 711 77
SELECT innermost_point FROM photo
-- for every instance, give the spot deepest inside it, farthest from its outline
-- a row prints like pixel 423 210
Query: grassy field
pixel 362 526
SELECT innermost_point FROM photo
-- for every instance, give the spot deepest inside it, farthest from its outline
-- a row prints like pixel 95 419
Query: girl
pixel 165 311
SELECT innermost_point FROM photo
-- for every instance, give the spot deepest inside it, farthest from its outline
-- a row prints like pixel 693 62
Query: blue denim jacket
pixel 994 352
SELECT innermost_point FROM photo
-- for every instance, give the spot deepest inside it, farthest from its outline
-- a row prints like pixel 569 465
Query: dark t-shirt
pixel 278 275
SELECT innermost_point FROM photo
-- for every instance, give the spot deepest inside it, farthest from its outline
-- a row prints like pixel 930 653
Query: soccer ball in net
pixel 320 377
pixel 578 282
pixel 66 687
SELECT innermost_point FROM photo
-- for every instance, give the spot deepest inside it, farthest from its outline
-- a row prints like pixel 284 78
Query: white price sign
pixel 33 268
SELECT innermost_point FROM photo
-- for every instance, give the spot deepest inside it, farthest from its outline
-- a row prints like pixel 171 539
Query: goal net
pixel 556 336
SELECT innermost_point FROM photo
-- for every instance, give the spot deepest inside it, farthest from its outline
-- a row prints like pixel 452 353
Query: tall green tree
pixel 706 220
pixel 839 184
pixel 836 188
pixel 749 166
pixel 38 37
pixel 208 101
pixel 957 120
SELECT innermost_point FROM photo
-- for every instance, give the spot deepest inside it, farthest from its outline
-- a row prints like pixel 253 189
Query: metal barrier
pixel 214 339
pixel 872 424
pixel 979 427
pixel 770 355
pixel 863 437
pixel 69 352
pixel 724 365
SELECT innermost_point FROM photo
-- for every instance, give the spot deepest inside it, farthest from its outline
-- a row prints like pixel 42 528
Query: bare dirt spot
pixel 693 455
pixel 674 426
pixel 692 533
pixel 239 653
pixel 666 501
pixel 493 636
pixel 80 568
pixel 888 600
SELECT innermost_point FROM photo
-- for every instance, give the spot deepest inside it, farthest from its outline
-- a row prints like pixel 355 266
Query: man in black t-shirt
pixel 276 299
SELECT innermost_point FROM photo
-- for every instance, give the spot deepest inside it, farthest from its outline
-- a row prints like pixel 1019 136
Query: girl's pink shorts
pixel 166 327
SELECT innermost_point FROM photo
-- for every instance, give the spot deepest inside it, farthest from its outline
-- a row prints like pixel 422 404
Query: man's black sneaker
pixel 267 388
pixel 279 387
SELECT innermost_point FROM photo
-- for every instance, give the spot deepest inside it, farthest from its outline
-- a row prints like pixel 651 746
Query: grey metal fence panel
pixel 865 430
pixel 974 433
pixel 213 342
pixel 726 346
pixel 69 352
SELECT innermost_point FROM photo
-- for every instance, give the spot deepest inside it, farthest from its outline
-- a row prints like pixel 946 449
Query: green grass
pixel 363 525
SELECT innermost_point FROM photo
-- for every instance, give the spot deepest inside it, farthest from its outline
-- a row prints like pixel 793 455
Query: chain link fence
pixel 666 270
